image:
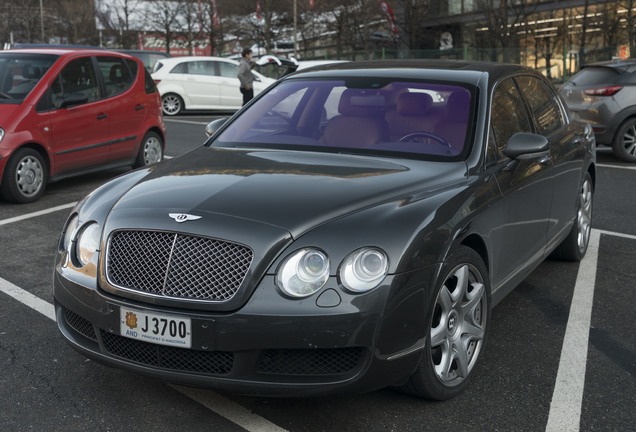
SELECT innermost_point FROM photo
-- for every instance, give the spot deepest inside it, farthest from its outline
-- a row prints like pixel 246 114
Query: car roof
pixel 466 71
pixel 168 60
pixel 67 51
pixel 618 65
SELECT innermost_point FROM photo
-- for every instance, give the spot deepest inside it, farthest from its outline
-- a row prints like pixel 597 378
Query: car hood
pixel 293 190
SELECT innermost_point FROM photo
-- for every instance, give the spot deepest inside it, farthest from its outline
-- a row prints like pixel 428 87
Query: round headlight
pixel 87 243
pixel 303 273
pixel 69 232
pixel 364 269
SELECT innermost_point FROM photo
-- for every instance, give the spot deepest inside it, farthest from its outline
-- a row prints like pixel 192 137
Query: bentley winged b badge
pixel 183 217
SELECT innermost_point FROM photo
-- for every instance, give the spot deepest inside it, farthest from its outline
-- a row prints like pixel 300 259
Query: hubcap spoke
pixel 457 330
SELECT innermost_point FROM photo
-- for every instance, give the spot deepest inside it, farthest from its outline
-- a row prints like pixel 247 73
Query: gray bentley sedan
pixel 349 229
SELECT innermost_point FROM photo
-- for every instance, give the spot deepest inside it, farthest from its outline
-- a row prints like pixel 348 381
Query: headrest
pixel 359 102
pixel 458 104
pixel 31 72
pixel 116 73
pixel 414 104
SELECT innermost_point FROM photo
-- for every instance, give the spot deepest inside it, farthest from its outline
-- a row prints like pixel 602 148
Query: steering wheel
pixel 434 137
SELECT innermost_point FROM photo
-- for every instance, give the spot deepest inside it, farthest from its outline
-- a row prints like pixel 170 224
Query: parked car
pixel 201 83
pixel 147 57
pixel 69 111
pixel 604 94
pixel 340 234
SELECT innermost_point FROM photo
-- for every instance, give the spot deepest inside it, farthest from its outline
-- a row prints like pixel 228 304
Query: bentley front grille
pixel 176 265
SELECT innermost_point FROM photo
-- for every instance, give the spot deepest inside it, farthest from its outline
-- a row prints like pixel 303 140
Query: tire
pixel 574 246
pixel 25 176
pixel 624 144
pixel 458 323
pixel 172 104
pixel 150 150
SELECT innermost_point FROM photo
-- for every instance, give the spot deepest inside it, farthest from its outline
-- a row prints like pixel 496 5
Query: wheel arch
pixel 476 243
pixel 620 119
pixel 41 150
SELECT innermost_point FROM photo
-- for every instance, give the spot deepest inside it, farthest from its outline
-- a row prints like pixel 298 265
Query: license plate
pixel 155 328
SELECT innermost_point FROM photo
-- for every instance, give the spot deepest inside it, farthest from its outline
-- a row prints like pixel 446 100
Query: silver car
pixel 604 95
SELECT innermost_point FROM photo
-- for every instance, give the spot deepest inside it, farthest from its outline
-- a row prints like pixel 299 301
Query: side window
pixel 117 76
pixel 201 68
pixel 492 155
pixel 181 68
pixel 149 83
pixel 77 80
pixel 544 104
pixel 508 115
pixel 228 70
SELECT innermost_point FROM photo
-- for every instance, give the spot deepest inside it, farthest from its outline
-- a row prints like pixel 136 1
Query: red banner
pixel 390 16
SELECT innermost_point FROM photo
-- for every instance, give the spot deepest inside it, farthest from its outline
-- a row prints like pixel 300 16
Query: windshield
pixel 429 119
pixel 20 72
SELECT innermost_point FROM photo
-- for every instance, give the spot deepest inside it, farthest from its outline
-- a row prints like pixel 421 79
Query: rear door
pixel 230 93
pixel 126 107
pixel 201 84
pixel 566 149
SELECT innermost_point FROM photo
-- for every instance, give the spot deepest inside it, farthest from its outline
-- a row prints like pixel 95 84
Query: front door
pixel 78 118
pixel 526 186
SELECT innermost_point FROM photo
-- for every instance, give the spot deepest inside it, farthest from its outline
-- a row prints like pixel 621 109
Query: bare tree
pixel 413 13
pixel 548 44
pixel 630 24
pixel 503 20
pixel 21 21
pixel 74 21
pixel 116 18
pixel 163 17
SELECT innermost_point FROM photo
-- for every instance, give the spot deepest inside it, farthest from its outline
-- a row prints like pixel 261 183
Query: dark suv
pixel 604 94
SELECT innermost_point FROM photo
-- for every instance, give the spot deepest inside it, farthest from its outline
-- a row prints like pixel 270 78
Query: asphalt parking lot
pixel 561 354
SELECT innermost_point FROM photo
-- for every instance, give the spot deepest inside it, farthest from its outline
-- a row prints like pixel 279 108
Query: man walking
pixel 245 75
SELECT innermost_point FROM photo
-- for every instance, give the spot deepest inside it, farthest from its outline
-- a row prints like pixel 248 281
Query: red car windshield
pixel 20 72
pixel 422 118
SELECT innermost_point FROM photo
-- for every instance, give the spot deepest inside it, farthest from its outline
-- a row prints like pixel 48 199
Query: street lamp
pixel 295 29
pixel 42 21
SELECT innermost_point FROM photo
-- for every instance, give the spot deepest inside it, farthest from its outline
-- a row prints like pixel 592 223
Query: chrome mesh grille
pixel 177 265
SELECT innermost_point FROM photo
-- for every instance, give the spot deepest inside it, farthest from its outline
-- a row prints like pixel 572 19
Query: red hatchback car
pixel 65 112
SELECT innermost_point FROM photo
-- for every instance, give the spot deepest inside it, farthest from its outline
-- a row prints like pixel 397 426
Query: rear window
pixel 428 119
pixel 595 75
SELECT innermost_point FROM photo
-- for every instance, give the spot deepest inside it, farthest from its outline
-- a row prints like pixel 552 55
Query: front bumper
pixel 271 346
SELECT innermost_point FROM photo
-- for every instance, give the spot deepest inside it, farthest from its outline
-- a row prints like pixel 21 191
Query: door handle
pixel 101 116
pixel 139 107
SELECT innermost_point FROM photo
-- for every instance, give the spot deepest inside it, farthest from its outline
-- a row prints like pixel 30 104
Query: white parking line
pixel 632 168
pixel 565 409
pixel 230 410
pixel 186 121
pixel 37 213
pixel 28 299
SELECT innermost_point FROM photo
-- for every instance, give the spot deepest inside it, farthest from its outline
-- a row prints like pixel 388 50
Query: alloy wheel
pixel 458 325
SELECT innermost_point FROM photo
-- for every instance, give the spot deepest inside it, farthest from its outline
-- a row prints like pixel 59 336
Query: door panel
pixel 126 105
pixel 550 119
pixel 79 133
pixel 526 186
pixel 201 85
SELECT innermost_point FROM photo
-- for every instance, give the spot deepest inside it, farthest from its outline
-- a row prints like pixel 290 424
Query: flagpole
pixel 295 30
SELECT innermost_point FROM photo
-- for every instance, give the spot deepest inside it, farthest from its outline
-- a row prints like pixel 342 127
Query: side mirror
pixel 524 145
pixel 214 126
pixel 74 99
